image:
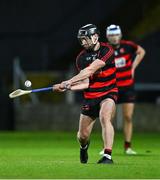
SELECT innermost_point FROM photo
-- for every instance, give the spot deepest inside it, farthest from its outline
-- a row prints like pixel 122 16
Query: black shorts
pixel 126 95
pixel 91 107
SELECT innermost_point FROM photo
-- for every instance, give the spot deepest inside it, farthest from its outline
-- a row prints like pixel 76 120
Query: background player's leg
pixel 106 114
pixel 128 109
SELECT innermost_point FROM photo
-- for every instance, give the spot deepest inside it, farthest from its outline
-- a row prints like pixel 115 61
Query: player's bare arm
pixel 85 73
pixel 80 85
pixel 75 87
pixel 89 71
pixel 139 56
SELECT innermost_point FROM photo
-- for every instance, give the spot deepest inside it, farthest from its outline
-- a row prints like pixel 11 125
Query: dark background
pixel 42 33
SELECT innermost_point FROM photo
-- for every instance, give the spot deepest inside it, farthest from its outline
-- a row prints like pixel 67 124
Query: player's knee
pixel 128 117
pixel 82 135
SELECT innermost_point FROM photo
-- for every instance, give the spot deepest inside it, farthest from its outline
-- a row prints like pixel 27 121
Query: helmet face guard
pixel 87 33
pixel 84 40
pixel 82 32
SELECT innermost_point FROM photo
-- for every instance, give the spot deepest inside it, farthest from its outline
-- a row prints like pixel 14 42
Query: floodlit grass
pixel 56 155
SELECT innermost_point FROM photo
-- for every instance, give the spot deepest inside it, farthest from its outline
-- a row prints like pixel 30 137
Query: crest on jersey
pixel 120 62
pixel 122 50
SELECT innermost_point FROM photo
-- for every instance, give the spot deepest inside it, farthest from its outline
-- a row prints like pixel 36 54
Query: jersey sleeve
pixel 106 54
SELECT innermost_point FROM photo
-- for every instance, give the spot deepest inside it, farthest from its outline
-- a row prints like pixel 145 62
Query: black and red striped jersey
pixel 103 81
pixel 123 60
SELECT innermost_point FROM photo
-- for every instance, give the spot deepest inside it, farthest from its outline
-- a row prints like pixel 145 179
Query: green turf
pixel 56 155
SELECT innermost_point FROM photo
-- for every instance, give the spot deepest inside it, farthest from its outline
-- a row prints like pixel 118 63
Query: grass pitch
pixel 56 155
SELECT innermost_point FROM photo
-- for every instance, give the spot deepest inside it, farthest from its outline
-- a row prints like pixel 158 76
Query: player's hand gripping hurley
pixel 20 92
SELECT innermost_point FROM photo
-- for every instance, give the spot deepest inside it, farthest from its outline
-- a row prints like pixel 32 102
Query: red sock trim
pixel 108 151
pixel 127 145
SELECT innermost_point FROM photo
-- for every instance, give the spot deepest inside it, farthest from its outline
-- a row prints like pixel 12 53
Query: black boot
pixel 105 160
pixel 84 153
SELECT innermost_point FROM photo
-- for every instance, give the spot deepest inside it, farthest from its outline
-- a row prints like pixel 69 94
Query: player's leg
pixel 128 109
pixel 113 116
pixel 85 127
pixel 106 113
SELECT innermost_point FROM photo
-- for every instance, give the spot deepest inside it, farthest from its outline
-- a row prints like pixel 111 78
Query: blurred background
pixel 38 41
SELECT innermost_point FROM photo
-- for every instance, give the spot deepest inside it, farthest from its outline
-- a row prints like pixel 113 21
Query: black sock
pixel 84 146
